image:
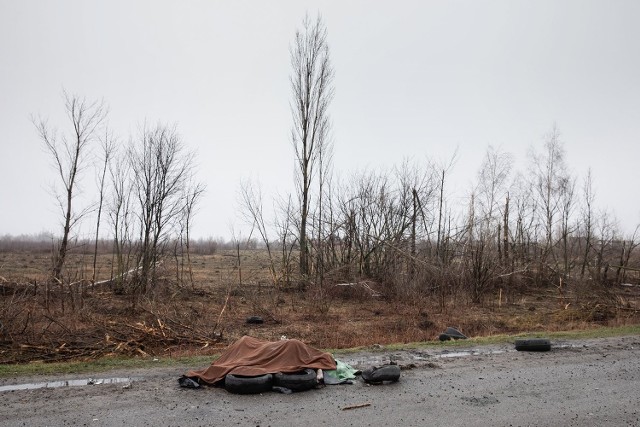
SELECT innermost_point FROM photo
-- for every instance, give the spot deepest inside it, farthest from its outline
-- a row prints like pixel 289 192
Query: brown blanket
pixel 251 357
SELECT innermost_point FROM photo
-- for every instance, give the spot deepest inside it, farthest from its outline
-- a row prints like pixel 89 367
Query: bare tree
pixel 323 229
pixel 550 175
pixel 607 226
pixel 567 204
pixel 550 182
pixel 286 232
pixel 417 191
pixel 492 178
pixel 312 91
pixel 70 154
pixel 108 147
pixel 161 170
pixel 505 230
pixel 587 219
pixel 628 246
pixel 443 169
pixel 254 215
pixel 485 242
pixel 193 194
pixel 121 216
pixel 524 229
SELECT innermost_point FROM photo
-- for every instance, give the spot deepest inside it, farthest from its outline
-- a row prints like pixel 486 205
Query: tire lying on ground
pixel 240 384
pixel 533 344
pixel 379 375
pixel 254 320
pixel 298 381
pixel 444 337
pixel 455 334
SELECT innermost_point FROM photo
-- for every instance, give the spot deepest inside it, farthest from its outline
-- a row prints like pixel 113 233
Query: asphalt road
pixel 578 383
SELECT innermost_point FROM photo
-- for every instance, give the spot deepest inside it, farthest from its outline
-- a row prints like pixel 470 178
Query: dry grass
pixel 201 318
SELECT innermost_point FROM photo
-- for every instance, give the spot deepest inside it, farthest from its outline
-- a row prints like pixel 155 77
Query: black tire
pixel 444 337
pixel 379 375
pixel 299 381
pixel 533 344
pixel 255 320
pixel 455 334
pixel 239 384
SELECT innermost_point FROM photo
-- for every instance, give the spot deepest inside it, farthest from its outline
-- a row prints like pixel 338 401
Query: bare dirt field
pixel 578 383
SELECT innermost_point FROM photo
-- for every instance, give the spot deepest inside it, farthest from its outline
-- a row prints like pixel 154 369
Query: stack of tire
pixel 297 381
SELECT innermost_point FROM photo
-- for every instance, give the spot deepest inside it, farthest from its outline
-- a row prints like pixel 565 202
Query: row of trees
pixel 147 191
pixel 401 228
pixel 398 226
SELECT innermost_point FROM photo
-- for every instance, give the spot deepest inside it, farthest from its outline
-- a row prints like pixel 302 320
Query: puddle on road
pixel 68 383
pixel 467 353
pixel 414 356
pixel 410 356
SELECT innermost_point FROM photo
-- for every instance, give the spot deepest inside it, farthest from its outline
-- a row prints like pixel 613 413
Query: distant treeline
pixel 46 243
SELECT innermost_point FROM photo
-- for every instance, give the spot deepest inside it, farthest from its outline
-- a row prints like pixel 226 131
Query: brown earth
pixel 40 322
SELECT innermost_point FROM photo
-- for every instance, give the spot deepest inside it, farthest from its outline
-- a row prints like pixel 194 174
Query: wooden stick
pixel 359 405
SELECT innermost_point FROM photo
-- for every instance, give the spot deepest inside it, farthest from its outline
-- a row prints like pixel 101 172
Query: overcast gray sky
pixel 414 79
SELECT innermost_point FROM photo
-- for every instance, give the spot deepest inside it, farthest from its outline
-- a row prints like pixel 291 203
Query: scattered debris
pixel 382 374
pixel 408 366
pixel 364 287
pixel 283 390
pixel 111 338
pixel 187 382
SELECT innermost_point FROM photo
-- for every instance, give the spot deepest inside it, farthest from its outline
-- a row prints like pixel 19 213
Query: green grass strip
pixel 111 364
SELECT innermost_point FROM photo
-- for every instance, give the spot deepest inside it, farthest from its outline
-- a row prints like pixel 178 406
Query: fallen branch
pixel 364 285
pixel 121 276
pixel 359 405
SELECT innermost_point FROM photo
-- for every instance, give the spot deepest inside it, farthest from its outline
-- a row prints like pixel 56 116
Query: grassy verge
pixel 110 364
pixel 602 332
pixel 102 365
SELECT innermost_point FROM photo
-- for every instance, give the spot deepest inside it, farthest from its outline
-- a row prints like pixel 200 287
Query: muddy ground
pixel 585 382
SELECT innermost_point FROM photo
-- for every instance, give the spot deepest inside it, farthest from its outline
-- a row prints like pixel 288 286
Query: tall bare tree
pixel 70 152
pixel 550 175
pixel 567 205
pixel 492 179
pixel 108 144
pixel 161 171
pixel 587 219
pixel 120 212
pixel 254 215
pixel 192 195
pixel 443 169
pixel 312 91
